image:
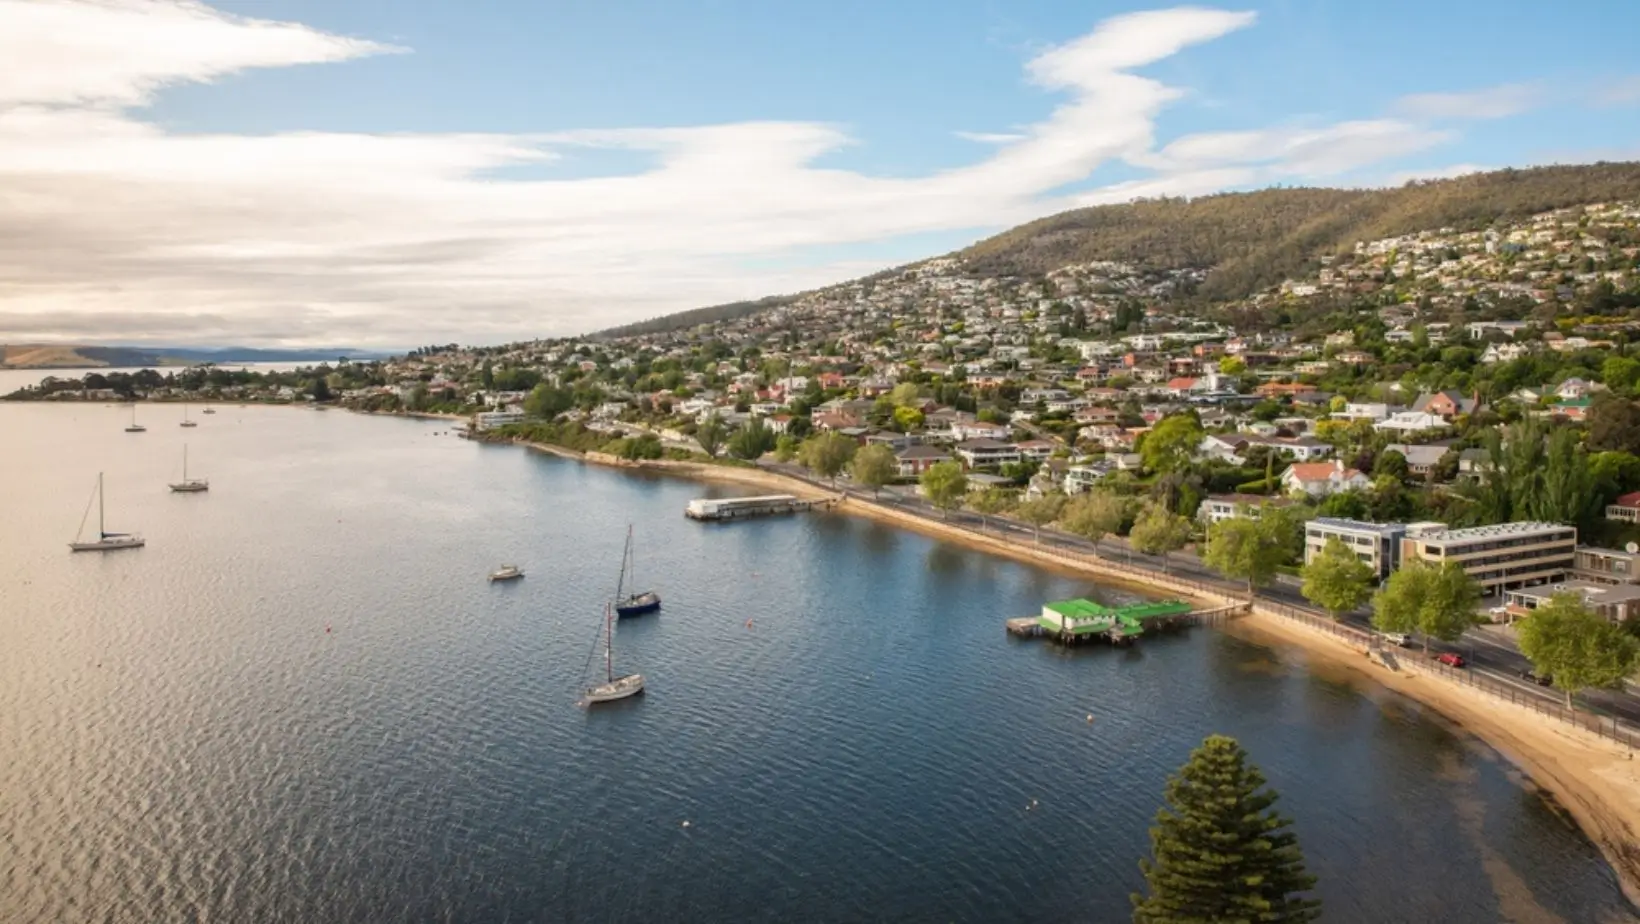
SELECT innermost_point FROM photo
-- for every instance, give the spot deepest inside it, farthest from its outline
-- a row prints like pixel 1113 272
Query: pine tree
pixel 1221 852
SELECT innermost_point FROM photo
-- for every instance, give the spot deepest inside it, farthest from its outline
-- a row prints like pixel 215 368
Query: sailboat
pixel 632 604
pixel 105 541
pixel 613 687
pixel 185 421
pixel 135 427
pixel 189 485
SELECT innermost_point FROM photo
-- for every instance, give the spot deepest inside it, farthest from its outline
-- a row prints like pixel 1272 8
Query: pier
pixel 1076 622
pixel 735 508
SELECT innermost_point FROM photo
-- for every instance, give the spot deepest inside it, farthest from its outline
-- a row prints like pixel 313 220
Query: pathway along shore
pixel 1595 780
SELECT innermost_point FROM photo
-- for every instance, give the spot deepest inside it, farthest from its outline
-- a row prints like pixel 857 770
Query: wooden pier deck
pixel 737 508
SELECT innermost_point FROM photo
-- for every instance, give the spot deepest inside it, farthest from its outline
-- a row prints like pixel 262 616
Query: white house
pixel 1319 479
pixel 982 453
pixel 1411 422
pixel 1504 352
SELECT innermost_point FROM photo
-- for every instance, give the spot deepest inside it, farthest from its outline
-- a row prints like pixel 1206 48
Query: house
pixel 983 453
pixel 914 460
pixel 1356 410
pixel 1606 566
pixel 1320 479
pixel 1421 460
pixel 1411 422
pixel 1445 404
pixel 1036 450
pixel 1224 447
pixel 1618 603
pixel 1625 509
pixel 1572 389
pixel 834 420
pixel 1504 352
pixel 1079 478
pixel 978 430
pixel 1216 508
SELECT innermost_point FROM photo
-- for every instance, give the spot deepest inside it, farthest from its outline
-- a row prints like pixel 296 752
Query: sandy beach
pixel 1595 780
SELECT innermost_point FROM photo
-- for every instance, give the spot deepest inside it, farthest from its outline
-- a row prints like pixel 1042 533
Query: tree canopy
pixel 945 484
pixel 1577 647
pixel 874 466
pixel 1220 851
pixel 1160 531
pixel 1439 602
pixel 1337 581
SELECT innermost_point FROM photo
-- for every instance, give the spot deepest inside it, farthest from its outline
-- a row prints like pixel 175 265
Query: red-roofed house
pixel 1180 387
pixel 1319 479
pixel 1625 508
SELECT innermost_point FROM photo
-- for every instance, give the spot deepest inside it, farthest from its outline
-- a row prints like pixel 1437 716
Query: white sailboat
pixel 613 687
pixel 135 427
pixel 105 541
pixel 185 421
pixel 189 485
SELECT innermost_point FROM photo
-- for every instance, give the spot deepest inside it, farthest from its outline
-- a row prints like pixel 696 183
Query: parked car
pixel 1450 659
pixel 1398 638
pixel 1541 680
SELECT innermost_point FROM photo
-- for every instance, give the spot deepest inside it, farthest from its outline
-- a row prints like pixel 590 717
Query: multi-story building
pixel 1617 603
pixel 1216 508
pixel 1377 544
pixel 1607 566
pixel 1497 557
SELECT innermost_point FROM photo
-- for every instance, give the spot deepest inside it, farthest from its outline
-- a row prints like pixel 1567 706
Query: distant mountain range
pixel 66 356
pixel 1248 241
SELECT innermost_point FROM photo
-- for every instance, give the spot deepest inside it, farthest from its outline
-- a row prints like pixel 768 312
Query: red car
pixel 1450 659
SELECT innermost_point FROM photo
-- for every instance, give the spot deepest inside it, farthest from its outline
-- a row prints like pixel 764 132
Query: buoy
pixel 327 628
pixel 748 623
pixel 1090 718
pixel 686 822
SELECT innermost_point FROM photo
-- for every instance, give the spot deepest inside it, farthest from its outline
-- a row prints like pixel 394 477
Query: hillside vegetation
pixel 1257 239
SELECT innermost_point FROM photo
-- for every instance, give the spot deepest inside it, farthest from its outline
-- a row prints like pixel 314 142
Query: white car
pixel 1398 638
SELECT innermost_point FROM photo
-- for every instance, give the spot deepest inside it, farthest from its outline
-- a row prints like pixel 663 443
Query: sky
pixel 390 173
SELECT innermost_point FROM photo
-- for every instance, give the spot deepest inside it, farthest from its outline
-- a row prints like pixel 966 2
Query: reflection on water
pixel 185 740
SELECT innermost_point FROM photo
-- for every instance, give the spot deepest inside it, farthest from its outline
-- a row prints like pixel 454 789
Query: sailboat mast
pixel 101 528
pixel 631 556
pixel 184 461
pixel 609 643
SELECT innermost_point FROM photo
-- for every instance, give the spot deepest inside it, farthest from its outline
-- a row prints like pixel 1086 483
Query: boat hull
pixel 190 487
pixel 506 577
pixel 639 604
pixel 136 429
pixel 619 688
pixel 109 545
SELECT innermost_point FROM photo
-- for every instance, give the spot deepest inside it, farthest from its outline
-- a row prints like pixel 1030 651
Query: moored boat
pixel 613 687
pixel 507 573
pixel 105 541
pixel 629 603
pixel 189 485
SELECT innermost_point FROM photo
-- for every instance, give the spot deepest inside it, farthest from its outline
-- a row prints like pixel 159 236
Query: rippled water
pixel 183 739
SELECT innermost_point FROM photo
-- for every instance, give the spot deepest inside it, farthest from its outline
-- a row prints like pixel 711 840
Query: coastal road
pixel 1488 651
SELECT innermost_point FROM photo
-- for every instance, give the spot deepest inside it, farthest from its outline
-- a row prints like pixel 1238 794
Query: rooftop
pixel 1495 531
pixel 1382 529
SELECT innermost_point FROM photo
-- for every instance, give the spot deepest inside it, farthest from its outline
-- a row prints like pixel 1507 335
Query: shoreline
pixel 1596 781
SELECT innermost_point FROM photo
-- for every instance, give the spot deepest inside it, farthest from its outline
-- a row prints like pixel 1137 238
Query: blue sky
pixel 385 172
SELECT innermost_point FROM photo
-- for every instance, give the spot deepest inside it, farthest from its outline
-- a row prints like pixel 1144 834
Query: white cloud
pixel 114 228
pixel 1489 103
pixel 990 137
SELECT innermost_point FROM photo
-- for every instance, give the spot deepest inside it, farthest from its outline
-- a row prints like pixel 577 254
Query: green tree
pixel 547 401
pixel 874 466
pixel 1244 549
pixel 1093 515
pixel 903 395
pixel 1171 444
pixel 1337 581
pixel 1390 463
pixel 827 454
pixel 320 389
pixel 990 502
pixel 1160 531
pixel 944 484
pixel 1232 365
pixel 785 448
pixel 1439 602
pixel 751 441
pixel 1220 851
pixel 710 435
pixel 1041 511
pixel 907 419
pixel 1577 647
pixel 1620 373
pixel 1614 424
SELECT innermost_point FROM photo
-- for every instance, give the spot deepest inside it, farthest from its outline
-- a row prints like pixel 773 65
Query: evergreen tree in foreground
pixel 1222 854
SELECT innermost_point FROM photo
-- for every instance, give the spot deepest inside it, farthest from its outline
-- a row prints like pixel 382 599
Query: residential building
pixel 1377 544
pixel 914 460
pixel 1411 422
pixel 1606 566
pixel 1497 557
pixel 1626 508
pixel 1320 479
pixel 1446 404
pixel 986 453
pixel 1616 602
pixel 1079 478
pixel 1421 460
pixel 489 420
pixel 1216 508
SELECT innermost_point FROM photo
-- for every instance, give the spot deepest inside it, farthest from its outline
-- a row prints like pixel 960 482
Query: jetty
pixel 735 508
pixel 1079 621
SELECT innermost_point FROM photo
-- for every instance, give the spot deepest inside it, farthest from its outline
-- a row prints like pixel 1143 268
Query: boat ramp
pixel 735 508
pixel 1079 621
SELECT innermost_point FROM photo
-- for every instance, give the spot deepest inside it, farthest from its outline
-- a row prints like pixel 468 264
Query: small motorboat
pixel 209 410
pixel 507 573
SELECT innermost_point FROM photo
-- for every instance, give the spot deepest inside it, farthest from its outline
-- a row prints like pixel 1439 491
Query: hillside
pixel 1252 240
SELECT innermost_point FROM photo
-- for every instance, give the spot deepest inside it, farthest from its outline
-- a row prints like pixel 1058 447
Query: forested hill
pixel 1250 240
pixel 1257 239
